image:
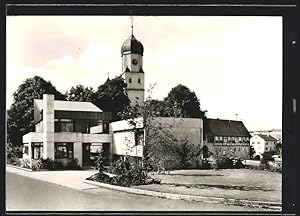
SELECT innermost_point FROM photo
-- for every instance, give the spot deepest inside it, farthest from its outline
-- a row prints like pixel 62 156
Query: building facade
pixel 67 130
pixel 263 143
pixel 226 138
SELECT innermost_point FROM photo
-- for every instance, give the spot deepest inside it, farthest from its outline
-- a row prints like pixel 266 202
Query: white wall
pixel 123 141
pixel 258 144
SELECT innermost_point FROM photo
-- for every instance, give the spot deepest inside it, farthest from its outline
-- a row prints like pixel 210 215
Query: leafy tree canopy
pixel 181 102
pixel 20 115
pixel 80 93
pixel 112 97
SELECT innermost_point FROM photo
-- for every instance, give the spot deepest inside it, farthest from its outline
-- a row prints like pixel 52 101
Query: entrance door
pixel 86 148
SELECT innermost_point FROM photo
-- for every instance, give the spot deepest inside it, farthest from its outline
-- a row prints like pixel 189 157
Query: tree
pixel 112 97
pixel 252 152
pixel 181 102
pixel 162 149
pixel 20 115
pixel 80 93
pixel 158 107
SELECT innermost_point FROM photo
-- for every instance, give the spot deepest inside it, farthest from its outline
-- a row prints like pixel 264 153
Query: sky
pixel 232 63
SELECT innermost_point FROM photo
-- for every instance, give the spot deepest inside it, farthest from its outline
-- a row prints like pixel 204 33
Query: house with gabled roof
pixel 263 143
pixel 228 138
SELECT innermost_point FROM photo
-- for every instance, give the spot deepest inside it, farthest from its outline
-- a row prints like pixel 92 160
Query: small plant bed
pixel 124 173
pixel 49 164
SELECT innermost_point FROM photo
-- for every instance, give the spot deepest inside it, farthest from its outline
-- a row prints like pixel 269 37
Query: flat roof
pixel 70 106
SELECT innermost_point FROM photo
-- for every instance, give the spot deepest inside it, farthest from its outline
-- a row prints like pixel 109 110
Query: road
pixel 28 194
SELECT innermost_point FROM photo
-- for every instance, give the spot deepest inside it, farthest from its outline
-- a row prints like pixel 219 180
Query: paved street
pixel 25 193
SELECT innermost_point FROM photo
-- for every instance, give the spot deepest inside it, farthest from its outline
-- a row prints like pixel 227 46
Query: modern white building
pixel 263 143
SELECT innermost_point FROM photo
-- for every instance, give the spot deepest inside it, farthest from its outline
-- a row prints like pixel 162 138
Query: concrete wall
pixel 124 142
pixel 96 129
pixel 48 126
pixel 39 127
pixel 190 128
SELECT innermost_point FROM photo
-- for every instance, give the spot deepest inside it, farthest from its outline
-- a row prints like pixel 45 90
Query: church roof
pixel 132 45
pixel 220 127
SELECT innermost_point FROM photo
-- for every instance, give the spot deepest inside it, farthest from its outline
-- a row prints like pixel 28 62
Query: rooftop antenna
pixel 131 17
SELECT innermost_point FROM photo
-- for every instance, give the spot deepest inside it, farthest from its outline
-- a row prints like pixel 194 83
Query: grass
pixel 229 183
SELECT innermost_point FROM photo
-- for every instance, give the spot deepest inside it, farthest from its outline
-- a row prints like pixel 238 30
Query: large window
pixel 82 126
pixel 63 125
pixel 37 150
pixel 63 150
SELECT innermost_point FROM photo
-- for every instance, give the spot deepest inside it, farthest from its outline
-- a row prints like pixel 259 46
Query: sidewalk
pixel 68 178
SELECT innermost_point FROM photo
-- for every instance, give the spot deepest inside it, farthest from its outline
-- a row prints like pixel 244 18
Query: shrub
pixel 13 154
pixel 25 163
pixel 225 163
pixel 128 172
pixel 238 164
pixel 73 164
pixel 47 164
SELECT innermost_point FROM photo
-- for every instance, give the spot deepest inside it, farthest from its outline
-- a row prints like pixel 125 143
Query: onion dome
pixel 132 45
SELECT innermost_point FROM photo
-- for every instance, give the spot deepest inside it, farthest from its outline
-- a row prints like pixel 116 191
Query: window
pixel 105 127
pixel 63 150
pixel 66 125
pixel 37 150
pixel 129 80
pixel 258 142
pixel 63 125
pixel 267 148
pixel 82 126
pixel 253 142
pixel 139 137
pixel 95 150
pixel 25 149
pixel 139 80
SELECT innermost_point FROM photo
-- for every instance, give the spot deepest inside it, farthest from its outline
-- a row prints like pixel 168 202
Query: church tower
pixel 132 67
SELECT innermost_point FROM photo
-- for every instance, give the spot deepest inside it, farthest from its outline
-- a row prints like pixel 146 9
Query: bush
pixel 25 163
pixel 13 155
pixel 47 164
pixel 127 172
pixel 58 165
pixel 238 164
pixel 225 163
pixel 73 164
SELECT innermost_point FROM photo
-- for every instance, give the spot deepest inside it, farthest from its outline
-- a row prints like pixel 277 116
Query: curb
pixel 21 168
pixel 197 198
